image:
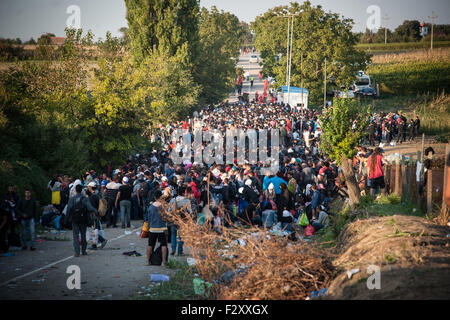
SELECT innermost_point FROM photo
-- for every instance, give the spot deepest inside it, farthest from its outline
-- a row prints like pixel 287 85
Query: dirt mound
pixel 412 253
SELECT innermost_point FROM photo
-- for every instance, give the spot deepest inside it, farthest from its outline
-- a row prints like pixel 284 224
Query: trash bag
pixel 145 230
pixel 14 240
pixel 303 220
pixel 156 257
pixel 201 287
pixel 56 198
pixel 309 230
pixel 57 222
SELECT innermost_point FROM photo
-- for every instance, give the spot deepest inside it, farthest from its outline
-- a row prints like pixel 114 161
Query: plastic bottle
pixel 156 277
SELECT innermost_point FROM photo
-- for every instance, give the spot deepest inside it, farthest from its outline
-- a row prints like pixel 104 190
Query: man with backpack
pixel 97 202
pixel 79 209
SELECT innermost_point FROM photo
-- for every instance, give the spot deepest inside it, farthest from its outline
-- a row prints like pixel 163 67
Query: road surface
pixel 105 273
pixel 254 69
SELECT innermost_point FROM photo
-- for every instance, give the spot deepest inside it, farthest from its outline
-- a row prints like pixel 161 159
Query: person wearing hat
pixel 124 199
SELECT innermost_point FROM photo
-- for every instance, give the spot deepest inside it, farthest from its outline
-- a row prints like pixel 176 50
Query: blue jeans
pixel 79 229
pixel 317 225
pixel 125 210
pixel 176 239
pixel 28 227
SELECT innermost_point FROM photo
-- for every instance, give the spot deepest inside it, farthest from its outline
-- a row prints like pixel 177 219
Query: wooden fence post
pixel 429 191
pixel 420 182
pixel 404 192
pixel 387 179
pixel 398 184
pixel 444 208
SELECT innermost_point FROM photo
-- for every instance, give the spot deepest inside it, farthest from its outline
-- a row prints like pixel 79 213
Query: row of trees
pixel 68 114
pixel 408 31
pixel 318 36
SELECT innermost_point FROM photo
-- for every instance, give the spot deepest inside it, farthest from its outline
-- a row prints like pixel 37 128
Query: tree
pixel 168 25
pixel 220 39
pixel 343 128
pixel 408 31
pixel 366 37
pixel 31 41
pixel 45 39
pixel 247 37
pixel 380 35
pixel 318 35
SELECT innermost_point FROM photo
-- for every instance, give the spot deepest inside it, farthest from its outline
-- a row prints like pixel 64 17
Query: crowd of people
pixel 238 194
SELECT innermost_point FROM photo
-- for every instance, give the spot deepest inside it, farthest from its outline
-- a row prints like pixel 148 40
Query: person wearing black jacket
pixel 94 198
pixel 252 198
pixel 79 222
pixel 26 210
pixel 111 191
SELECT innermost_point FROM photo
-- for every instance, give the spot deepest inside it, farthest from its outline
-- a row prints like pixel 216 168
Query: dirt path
pixel 105 273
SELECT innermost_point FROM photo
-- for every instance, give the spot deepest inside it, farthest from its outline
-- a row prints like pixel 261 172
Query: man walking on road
pixel 111 191
pixel 78 211
pixel 26 209
pixel 252 79
pixel 94 198
pixel 124 199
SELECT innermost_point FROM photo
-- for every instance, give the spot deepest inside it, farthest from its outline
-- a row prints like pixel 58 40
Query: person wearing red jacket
pixel 195 191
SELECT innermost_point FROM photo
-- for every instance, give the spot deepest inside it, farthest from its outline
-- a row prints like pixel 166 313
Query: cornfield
pixel 412 73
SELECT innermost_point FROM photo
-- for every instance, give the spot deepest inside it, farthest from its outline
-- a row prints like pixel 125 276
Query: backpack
pixel 143 190
pixel 156 257
pixel 102 207
pixel 78 213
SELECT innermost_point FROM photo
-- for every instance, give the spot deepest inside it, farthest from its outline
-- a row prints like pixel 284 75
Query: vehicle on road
pixel 362 81
pixel 254 59
pixel 366 92
pixel 345 94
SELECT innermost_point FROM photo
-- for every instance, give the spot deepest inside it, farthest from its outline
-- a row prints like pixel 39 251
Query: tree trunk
pixel 350 180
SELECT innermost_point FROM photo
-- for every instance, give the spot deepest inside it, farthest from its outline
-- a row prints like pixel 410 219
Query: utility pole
pixel 325 85
pixel 301 74
pixel 385 19
pixel 287 53
pixel 285 13
pixel 290 61
pixel 432 27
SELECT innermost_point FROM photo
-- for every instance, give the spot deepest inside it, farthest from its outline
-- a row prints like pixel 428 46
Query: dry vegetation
pixel 440 54
pixel 413 255
pixel 272 267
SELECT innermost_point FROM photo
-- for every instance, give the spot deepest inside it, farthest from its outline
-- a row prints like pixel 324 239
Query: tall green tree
pixel 343 128
pixel 408 31
pixel 318 35
pixel 221 36
pixel 166 25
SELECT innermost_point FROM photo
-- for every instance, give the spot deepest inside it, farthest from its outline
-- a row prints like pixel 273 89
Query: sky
pixel 30 18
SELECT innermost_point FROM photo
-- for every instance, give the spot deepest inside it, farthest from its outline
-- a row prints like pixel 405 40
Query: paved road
pixel 105 273
pixel 254 69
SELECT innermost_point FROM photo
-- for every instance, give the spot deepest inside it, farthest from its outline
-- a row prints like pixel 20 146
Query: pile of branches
pixel 275 267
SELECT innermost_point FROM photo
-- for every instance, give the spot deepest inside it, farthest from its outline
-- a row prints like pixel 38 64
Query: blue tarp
pixel 295 90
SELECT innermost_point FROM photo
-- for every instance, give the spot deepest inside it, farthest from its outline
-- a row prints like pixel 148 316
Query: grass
pixel 433 109
pixel 179 287
pixel 382 206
